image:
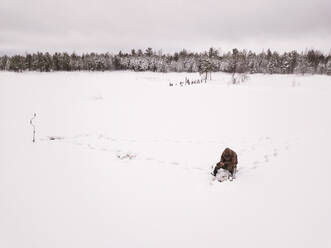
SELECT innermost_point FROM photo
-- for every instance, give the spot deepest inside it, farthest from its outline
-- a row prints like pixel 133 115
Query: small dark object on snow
pixel 228 162
pixel 54 138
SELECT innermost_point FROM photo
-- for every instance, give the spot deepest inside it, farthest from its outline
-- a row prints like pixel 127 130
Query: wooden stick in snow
pixel 34 128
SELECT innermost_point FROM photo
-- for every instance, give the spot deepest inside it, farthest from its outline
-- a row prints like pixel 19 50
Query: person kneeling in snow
pixel 228 162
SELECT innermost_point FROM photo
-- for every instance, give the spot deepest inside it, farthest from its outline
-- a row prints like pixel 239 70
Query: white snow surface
pixel 123 160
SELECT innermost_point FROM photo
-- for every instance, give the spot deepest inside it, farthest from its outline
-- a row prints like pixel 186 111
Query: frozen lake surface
pixel 123 160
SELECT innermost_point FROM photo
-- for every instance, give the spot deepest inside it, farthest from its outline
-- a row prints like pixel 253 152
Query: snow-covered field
pixel 123 160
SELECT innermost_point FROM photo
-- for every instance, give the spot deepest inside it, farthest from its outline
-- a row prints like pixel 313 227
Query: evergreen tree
pixel 328 67
pixel 149 52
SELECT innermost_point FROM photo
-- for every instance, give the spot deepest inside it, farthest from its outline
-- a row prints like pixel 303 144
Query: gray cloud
pixel 102 25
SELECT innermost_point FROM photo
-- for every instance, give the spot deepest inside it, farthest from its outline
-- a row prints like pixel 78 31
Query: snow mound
pixel 222 175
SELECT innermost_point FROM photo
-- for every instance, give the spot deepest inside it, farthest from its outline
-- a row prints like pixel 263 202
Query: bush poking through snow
pixel 238 78
pixel 126 156
pixel 188 82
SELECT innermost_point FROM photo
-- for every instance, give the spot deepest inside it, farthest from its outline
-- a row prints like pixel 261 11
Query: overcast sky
pixel 170 25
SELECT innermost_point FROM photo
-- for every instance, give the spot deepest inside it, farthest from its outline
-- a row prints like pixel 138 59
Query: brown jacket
pixel 229 158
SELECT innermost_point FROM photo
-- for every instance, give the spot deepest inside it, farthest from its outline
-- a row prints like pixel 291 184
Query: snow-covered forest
pixel 240 61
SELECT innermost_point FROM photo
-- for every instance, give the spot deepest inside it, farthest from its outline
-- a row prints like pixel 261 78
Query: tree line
pixel 237 61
